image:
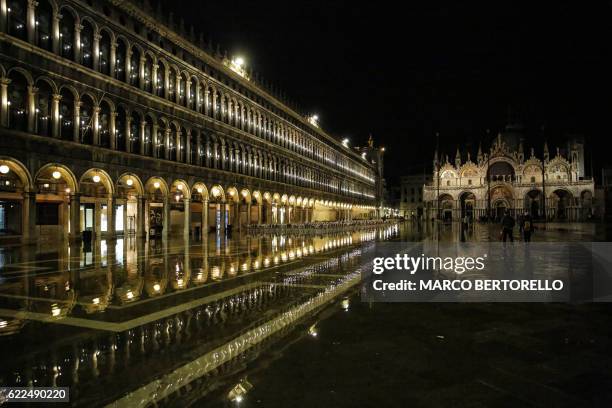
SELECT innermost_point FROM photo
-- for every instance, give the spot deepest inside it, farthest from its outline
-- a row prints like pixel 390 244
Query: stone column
pixel 206 104
pixel 95 127
pixel 110 218
pixel 154 69
pixel 141 72
pixel 76 122
pixel 166 218
pixel 154 140
pixel 3 12
pixel 4 111
pixel 75 217
pixel 204 219
pixel 32 90
pixel 55 33
pixel 128 65
pixel 177 89
pixel 187 147
pixel 113 59
pixel 187 213
pixel 29 218
pixel 248 214
pixel 187 88
pixel 141 214
pixel 96 51
pixel 223 160
pixel 128 134
pixel 166 83
pixel 112 130
pixel 179 147
pixel 199 149
pixel 55 116
pixel 167 144
pixel 31 21
pixel 77 43
pixel 141 136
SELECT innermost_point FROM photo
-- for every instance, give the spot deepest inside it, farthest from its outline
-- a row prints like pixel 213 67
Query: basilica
pixel 506 177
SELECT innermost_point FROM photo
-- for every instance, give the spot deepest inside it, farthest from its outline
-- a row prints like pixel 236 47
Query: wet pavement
pixel 274 320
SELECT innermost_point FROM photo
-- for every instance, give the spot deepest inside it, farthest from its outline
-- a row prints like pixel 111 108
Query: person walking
pixel 527 227
pixel 507 226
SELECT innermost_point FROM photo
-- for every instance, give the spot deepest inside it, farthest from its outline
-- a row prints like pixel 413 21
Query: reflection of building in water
pixel 115 122
pixel 508 177
pixel 139 339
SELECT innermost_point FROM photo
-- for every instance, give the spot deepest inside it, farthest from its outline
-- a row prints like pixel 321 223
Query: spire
pixel 371 144
pixel 479 157
pixel 458 158
pixel 436 163
pixel 546 155
pixel 521 154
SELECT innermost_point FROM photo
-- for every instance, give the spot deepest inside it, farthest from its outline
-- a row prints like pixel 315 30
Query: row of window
pixel 80 118
pixel 82 41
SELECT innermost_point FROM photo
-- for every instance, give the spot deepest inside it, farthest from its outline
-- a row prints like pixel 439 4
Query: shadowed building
pixel 116 121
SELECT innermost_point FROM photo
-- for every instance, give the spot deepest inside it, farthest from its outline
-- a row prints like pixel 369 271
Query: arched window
pixel 171 85
pixel 120 136
pixel 161 77
pixel 44 102
pixel 148 136
pixel 181 84
pixel 44 20
pixel 87 40
pixel 134 66
pixel 135 133
pixel 120 55
pixel 105 47
pixel 148 73
pixel 104 124
pixel 86 118
pixel 160 142
pixel 18 102
pixel 172 145
pixel 191 92
pixel 16 18
pixel 66 111
pixel 67 24
pixel 193 141
pixel 218 105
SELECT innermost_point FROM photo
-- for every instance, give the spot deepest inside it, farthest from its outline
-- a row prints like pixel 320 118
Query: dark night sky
pixel 404 74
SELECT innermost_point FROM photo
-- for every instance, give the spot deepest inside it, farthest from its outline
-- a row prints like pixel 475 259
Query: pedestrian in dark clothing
pixel 507 226
pixel 527 227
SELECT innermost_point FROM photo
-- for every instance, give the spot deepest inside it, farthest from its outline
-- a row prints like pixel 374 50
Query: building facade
pixel 504 178
pixel 411 203
pixel 113 121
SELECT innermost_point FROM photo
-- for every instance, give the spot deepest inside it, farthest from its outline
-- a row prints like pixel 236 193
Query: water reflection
pixel 125 313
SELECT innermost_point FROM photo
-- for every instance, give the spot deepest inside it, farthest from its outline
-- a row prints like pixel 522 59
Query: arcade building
pixel 116 121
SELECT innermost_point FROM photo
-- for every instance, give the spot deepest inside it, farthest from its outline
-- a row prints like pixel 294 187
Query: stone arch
pixel 217 193
pixel 130 181
pixel 65 173
pixel 180 185
pixel 199 189
pixel 154 184
pixel 20 170
pixel 98 176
